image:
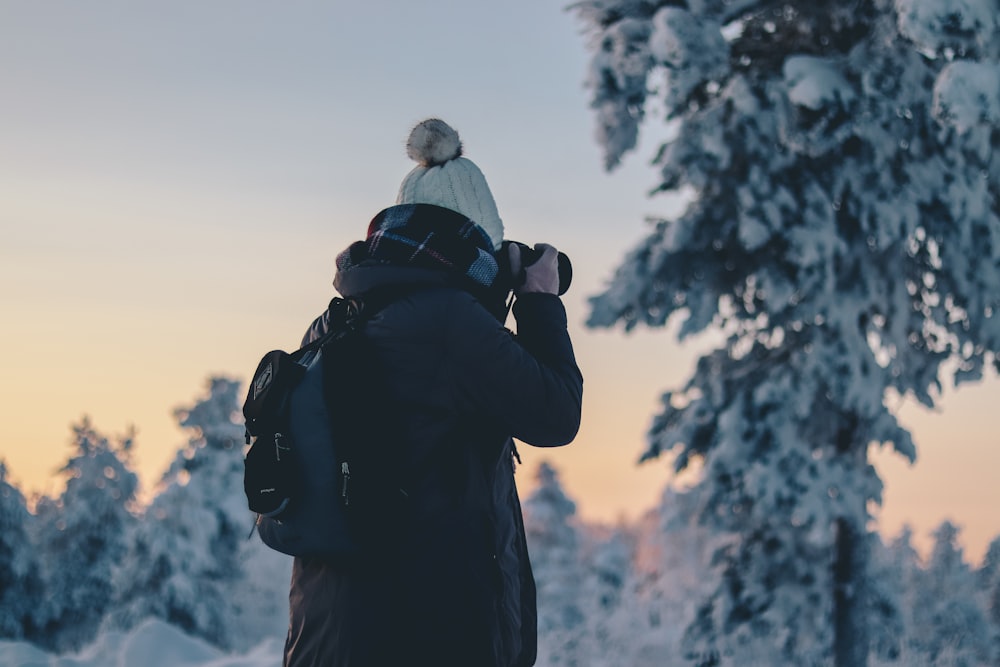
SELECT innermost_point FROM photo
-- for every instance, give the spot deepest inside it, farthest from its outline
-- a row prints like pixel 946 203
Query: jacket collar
pixel 369 276
pixel 365 277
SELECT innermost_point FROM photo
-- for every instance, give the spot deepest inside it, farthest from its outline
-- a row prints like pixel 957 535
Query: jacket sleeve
pixel 528 385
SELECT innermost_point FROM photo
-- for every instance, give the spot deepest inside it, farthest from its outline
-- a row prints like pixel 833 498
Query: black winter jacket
pixel 453 587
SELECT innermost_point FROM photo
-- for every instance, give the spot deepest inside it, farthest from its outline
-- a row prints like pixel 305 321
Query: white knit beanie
pixel 444 178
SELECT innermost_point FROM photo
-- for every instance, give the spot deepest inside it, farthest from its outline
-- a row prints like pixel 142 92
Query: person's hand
pixel 542 276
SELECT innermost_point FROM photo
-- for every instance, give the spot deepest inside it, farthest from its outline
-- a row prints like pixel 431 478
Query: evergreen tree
pixel 83 536
pixel 988 577
pixel 673 561
pixel 843 234
pixel 20 572
pixel 554 545
pixel 894 574
pixel 608 565
pixel 949 625
pixel 186 563
pixel 606 592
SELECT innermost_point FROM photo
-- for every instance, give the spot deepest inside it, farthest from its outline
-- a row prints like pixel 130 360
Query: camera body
pixel 528 257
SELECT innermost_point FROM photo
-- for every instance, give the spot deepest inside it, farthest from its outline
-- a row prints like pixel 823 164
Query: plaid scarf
pixel 425 236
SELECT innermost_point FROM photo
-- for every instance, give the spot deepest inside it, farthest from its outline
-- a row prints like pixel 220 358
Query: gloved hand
pixel 542 276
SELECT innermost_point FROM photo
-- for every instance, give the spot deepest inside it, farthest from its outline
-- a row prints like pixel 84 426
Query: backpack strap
pixel 352 312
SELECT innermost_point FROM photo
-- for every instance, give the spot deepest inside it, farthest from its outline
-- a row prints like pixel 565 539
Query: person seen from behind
pixel 445 580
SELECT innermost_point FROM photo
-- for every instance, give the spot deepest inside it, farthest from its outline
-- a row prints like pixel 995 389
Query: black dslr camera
pixel 528 257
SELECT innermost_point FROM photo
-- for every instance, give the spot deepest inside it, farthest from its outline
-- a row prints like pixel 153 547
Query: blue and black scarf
pixel 426 236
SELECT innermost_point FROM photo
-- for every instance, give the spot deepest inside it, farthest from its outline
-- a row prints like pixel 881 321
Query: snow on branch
pixel 816 82
pixel 967 94
pixel 939 25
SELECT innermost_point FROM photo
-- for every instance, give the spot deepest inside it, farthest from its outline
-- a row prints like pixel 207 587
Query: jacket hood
pixel 367 276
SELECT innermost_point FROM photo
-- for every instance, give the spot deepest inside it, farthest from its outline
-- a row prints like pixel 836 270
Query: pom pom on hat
pixel 445 178
pixel 433 142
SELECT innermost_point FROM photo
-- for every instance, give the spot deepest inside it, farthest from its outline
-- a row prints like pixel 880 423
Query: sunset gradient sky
pixel 177 177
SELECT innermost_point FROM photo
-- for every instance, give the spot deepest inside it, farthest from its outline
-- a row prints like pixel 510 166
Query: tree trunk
pixel 850 636
pixel 850 630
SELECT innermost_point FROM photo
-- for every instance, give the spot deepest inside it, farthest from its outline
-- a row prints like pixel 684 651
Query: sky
pixel 176 179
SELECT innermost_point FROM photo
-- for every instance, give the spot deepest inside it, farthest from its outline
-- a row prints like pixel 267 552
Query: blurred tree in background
pixel 82 537
pixel 843 235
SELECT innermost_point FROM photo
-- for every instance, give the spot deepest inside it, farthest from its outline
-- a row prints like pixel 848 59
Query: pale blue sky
pixel 176 178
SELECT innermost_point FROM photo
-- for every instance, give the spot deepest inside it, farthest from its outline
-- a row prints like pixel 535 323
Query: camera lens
pixel 529 256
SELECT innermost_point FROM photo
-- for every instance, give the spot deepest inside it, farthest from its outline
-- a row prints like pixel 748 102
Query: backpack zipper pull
pixel 345 472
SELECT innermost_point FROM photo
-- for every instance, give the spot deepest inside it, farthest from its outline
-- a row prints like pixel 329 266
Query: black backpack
pixel 319 467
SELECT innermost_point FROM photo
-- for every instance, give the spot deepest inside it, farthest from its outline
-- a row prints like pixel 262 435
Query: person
pixel 450 582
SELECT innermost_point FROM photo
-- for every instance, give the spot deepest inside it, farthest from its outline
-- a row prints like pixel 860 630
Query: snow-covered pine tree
pixel 606 589
pixel 949 625
pixel 554 545
pixel 83 536
pixel 842 233
pixel 988 579
pixel 187 563
pixel 894 570
pixel 21 585
pixel 672 562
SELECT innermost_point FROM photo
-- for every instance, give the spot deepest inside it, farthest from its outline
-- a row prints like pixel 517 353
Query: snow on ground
pixel 151 644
